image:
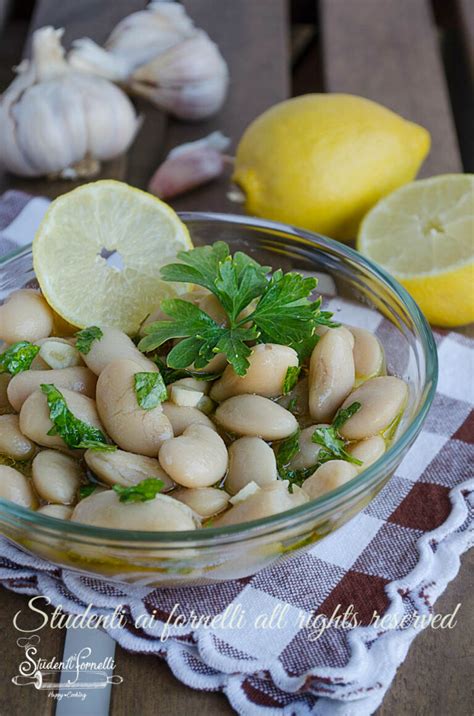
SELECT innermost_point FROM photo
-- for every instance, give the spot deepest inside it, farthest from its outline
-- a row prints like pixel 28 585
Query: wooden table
pixel 388 50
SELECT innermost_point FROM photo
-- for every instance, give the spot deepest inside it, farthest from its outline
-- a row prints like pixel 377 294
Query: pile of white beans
pixel 213 444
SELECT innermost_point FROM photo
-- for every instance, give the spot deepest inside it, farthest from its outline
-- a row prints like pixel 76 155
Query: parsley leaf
pixel 170 375
pixel 18 357
pixel 332 445
pixel 86 490
pixel 291 378
pixel 203 337
pixel 150 390
pixel 74 432
pixel 280 309
pixel 342 416
pixel 141 492
pixel 287 450
pixel 86 337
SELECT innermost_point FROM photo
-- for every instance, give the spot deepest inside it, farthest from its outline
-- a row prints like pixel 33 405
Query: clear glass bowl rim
pixel 211 535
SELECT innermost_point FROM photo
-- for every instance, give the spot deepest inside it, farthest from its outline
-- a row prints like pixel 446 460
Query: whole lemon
pixel 321 161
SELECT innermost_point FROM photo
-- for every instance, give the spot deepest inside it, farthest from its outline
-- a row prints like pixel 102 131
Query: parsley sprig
pixel 332 444
pixel 141 492
pixel 18 357
pixel 75 432
pixel 282 312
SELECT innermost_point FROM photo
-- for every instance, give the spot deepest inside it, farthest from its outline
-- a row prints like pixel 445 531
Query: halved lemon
pixel 423 234
pixel 98 252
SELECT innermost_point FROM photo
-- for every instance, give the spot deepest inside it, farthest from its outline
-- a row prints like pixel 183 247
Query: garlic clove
pixel 88 56
pixel 189 166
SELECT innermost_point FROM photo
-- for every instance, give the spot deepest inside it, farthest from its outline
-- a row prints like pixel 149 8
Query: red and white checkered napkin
pixel 396 557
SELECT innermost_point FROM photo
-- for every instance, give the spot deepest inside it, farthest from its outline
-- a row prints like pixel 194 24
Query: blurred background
pixel 413 56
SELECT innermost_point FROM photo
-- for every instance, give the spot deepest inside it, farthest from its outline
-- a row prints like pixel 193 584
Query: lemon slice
pixel 98 252
pixel 423 234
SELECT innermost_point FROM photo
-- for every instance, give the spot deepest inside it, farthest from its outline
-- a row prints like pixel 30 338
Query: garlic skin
pixel 57 121
pixel 159 54
pixel 190 165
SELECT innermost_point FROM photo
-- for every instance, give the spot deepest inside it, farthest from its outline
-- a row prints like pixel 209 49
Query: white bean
pixel 308 451
pixel 130 426
pixel 265 375
pixel 197 458
pixel 125 468
pixel 56 477
pixel 182 418
pixel 367 451
pixel 35 422
pixel 15 487
pixel 321 330
pixel 205 501
pixel 382 400
pixel 22 385
pixel 25 316
pixel 368 353
pixel 268 500
pixel 331 374
pixel 298 399
pixel 162 513
pixel 12 441
pixel 112 346
pixel 256 416
pixel 250 460
pixel 60 512
pixel 328 477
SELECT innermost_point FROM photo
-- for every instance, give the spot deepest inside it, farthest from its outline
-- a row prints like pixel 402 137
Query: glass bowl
pixel 215 554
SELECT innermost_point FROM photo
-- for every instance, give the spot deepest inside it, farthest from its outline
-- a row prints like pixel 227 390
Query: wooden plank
pixel 387 50
pixel 465 10
pixel 162 694
pixel 26 699
pixel 4 10
pixel 436 676
pixel 253 38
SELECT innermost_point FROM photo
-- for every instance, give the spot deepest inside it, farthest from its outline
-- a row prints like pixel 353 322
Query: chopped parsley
pixel 75 433
pixel 86 490
pixel 86 337
pixel 150 390
pixel 18 357
pixel 332 444
pixel 291 378
pixel 142 492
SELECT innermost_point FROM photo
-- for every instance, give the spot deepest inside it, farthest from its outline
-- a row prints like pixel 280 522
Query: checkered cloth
pixel 396 557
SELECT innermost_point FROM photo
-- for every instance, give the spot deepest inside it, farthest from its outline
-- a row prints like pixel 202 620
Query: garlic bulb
pixel 136 40
pixel 189 166
pixel 159 54
pixel 55 120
